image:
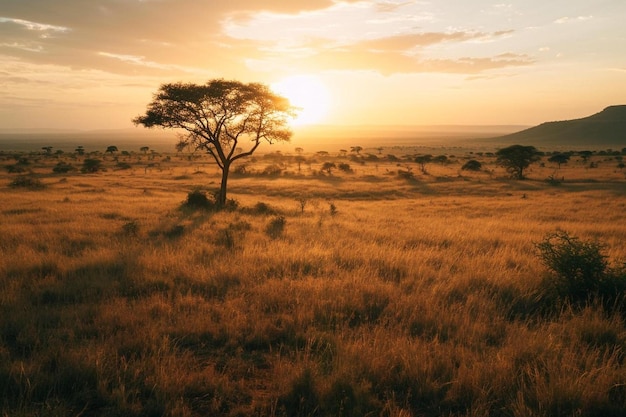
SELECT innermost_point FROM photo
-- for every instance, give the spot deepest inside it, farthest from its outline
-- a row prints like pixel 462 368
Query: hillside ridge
pixel 605 128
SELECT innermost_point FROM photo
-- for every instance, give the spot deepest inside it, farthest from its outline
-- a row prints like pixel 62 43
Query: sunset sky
pixel 95 64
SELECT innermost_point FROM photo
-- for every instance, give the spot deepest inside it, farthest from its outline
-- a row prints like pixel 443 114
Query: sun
pixel 309 94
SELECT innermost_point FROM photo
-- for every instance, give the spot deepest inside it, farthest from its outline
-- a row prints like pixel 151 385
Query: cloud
pixel 567 19
pixel 39 27
pixel 390 6
pixel 388 55
pixel 141 61
pixel 191 38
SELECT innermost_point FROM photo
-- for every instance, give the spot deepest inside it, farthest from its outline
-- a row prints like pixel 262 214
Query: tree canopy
pixel 219 117
pixel 516 158
pixel 559 158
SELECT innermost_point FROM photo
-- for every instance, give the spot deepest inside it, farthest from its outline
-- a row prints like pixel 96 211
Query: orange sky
pixel 95 64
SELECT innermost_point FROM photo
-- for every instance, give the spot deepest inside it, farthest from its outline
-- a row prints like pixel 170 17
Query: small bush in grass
pixel 24 181
pixel 131 228
pixel 15 169
pixel 580 271
pixel 303 398
pixel 272 170
pixel 123 166
pixel 332 209
pixel 472 165
pixel 407 174
pixel 344 167
pixel 199 199
pixel 225 238
pixel 91 165
pixel 275 227
pixel 63 168
pixel 262 208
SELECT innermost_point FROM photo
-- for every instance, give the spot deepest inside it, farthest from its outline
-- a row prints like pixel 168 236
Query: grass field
pixel 358 292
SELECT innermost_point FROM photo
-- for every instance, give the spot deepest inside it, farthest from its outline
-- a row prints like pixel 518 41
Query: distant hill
pixel 605 129
pixel 67 140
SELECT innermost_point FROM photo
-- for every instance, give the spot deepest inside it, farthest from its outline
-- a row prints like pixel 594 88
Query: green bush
pixel 580 271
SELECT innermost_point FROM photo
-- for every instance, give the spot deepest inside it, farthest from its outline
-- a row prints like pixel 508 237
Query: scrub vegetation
pixel 384 287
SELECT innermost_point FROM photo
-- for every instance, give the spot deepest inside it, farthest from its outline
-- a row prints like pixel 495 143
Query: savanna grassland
pixel 363 289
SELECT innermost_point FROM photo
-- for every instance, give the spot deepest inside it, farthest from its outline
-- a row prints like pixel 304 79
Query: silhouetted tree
pixel 516 158
pixel 356 149
pixel 328 166
pixel 300 159
pixel 218 116
pixel 80 150
pixel 422 160
pixel 144 149
pixel 47 149
pixel 559 158
pixel 585 155
pixel 111 149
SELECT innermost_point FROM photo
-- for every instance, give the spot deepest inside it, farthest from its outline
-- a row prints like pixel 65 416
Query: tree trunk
pixel 221 198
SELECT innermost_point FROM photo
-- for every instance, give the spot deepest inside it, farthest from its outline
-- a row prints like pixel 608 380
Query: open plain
pixel 364 286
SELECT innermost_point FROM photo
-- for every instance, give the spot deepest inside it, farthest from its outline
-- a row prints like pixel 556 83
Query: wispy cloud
pixel 39 27
pixel 141 61
pixel 567 19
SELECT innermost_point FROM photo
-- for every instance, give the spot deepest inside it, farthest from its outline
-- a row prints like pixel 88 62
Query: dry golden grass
pixel 409 298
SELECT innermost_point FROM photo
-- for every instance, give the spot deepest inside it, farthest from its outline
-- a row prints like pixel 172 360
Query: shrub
pixel 407 174
pixel 472 165
pixel 225 238
pixel 275 227
pixel 302 399
pixel 24 181
pixel 123 165
pixel 302 202
pixel 262 208
pixel 92 165
pixel 15 169
pixel 332 209
pixel 344 167
pixel 198 199
pixel 581 272
pixel 272 170
pixel 131 228
pixel 63 168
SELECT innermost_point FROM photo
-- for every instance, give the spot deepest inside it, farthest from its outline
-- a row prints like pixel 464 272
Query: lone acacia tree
pixel 221 118
pixel 516 158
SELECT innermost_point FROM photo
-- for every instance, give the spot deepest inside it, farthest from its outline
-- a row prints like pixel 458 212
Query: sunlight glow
pixel 309 94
